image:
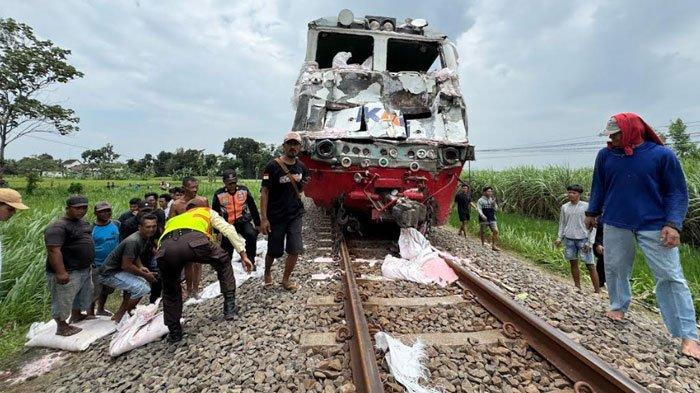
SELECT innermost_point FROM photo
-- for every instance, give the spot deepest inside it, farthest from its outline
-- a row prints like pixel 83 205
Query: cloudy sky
pixel 161 75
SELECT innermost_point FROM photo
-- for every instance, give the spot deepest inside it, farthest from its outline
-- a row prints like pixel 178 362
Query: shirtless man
pixel 193 271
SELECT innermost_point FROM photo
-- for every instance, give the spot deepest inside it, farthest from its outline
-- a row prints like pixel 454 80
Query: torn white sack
pixel 419 262
pixel 403 269
pixel 145 326
pixel 405 362
pixel 43 334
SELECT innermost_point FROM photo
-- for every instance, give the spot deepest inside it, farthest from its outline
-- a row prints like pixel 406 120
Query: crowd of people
pixel 145 252
pixel 638 197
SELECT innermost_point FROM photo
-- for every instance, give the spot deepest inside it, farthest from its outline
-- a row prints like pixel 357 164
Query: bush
pixel 75 188
pixel 32 182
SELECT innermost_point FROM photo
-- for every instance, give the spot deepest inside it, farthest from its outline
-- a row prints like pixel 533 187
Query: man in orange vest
pixel 237 206
pixel 187 238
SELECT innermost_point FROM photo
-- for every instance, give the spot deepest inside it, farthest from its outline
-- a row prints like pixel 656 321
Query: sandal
pixel 268 285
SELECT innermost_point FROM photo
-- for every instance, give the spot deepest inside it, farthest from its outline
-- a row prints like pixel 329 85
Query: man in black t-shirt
pixel 281 208
pixel 133 210
pixel 70 252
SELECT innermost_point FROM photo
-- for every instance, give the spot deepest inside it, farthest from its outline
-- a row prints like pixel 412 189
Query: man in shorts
pixel 578 240
pixel 70 252
pixel 193 271
pixel 486 206
pixel 124 268
pixel 105 235
pixel 282 210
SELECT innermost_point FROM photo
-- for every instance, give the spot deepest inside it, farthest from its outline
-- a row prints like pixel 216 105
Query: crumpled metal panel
pixel 434 97
pixel 383 123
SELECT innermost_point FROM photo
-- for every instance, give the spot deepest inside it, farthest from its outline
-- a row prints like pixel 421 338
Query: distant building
pixel 72 165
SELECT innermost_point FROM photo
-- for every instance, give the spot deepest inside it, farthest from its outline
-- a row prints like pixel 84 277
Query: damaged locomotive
pixel 382 119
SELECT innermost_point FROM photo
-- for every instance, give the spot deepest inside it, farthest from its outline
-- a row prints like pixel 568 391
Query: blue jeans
pixel 137 287
pixel 672 293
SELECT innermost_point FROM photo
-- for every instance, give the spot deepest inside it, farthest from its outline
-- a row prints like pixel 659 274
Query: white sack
pixel 402 269
pixel 43 334
pixel 405 362
pixel 145 326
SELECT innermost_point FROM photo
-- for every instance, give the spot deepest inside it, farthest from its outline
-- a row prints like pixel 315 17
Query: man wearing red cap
pixel 639 187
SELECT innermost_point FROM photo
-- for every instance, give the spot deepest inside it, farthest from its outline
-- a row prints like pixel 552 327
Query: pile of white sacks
pixel 144 326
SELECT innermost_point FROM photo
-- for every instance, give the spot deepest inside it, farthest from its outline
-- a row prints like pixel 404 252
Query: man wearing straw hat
pixel 10 202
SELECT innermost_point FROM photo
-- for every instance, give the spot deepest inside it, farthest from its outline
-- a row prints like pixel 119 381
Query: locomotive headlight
pixel 374 25
pixel 421 154
pixel 450 155
pixel 345 17
pixel 345 162
pixel 388 26
pixel 383 162
pixel 393 153
pixel 325 148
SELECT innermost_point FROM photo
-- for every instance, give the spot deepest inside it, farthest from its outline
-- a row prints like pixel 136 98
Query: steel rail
pixel 589 372
pixel 365 372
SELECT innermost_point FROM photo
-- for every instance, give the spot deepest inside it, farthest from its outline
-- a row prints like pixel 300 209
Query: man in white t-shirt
pixel 578 240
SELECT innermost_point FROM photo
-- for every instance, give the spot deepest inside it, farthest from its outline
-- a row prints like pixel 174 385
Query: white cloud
pixel 184 73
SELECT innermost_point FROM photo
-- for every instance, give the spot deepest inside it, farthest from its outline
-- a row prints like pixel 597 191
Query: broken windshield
pixel 330 44
pixel 405 55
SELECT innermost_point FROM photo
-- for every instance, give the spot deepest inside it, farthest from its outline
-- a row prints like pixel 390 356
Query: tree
pixel 29 67
pixel 250 155
pixel 36 164
pixel 100 157
pixel 681 142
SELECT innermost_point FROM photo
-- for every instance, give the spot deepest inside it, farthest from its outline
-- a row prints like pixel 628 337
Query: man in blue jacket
pixel 640 186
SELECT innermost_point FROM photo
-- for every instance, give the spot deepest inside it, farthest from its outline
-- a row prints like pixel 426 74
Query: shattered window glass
pixel 404 55
pixel 330 44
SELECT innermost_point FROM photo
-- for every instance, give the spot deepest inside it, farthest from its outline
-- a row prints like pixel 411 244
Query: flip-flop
pixel 268 285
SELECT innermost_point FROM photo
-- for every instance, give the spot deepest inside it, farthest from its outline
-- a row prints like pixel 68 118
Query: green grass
pixel 24 297
pixel 532 238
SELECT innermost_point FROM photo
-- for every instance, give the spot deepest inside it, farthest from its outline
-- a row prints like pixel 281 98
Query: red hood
pixel 634 131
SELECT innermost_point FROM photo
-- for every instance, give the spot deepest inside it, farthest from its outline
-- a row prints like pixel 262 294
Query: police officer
pixel 188 238
pixel 236 205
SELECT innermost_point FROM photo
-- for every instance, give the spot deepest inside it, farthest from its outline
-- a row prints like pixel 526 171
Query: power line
pixel 59 142
pixel 545 152
pixel 556 146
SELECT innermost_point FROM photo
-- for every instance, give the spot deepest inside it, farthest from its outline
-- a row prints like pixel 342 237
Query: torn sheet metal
pixel 323 96
pixel 383 123
pixel 347 120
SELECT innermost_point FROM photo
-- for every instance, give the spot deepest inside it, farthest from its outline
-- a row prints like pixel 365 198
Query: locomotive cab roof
pixel 410 46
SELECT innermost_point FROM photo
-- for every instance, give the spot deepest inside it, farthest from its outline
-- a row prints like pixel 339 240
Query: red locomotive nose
pixel 374 191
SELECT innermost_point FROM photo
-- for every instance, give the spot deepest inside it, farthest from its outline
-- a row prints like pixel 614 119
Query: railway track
pixel 463 324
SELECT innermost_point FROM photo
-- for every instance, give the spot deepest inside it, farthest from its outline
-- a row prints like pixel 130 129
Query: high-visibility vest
pixel 234 205
pixel 198 219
